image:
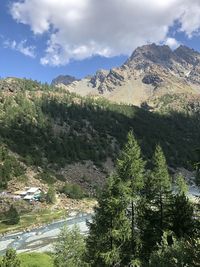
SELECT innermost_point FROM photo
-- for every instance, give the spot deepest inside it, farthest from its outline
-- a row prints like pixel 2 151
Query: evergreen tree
pixel 130 167
pixel 5 173
pixel 183 223
pixel 181 185
pixel 51 195
pixel 161 185
pixel 197 167
pixel 182 211
pixel 109 235
pixel 180 253
pixel 10 259
pixel 12 215
pixel 69 248
pixel 156 204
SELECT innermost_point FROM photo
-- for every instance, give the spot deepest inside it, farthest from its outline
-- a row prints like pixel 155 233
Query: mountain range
pixel 150 72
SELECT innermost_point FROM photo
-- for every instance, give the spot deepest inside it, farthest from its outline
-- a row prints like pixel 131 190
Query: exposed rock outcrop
pixel 64 79
pixel 151 71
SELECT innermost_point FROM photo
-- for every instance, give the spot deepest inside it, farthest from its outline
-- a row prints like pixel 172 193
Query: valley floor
pixel 43 214
pixel 40 239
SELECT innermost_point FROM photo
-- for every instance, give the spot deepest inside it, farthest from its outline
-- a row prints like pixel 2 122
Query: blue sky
pixel 42 39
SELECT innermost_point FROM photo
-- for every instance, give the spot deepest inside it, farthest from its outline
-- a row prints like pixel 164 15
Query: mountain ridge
pixel 150 71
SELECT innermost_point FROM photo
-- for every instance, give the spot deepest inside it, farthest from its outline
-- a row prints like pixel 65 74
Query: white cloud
pixel 21 47
pixel 172 43
pixel 190 18
pixel 81 28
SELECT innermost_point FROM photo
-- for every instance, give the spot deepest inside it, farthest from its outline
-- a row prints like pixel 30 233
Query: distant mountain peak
pixel 188 54
pixel 64 79
pixel 151 53
pixel 185 49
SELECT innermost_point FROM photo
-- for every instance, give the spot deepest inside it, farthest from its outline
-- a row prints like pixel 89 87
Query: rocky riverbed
pixel 41 239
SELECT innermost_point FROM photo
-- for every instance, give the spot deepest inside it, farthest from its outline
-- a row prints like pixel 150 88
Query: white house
pixel 30 193
pixel 33 193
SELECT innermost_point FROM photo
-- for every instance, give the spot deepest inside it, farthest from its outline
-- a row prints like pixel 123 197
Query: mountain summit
pixel 151 71
pixel 63 79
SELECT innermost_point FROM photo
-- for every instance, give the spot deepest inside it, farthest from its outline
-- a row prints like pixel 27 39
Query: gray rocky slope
pixel 150 72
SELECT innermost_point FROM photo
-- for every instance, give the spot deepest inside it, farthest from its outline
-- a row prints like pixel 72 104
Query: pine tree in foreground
pixel 110 230
pixel 156 204
pixel 183 217
pixel 131 169
pixel 181 253
pixel 70 248
pixel 137 213
pixel 183 223
pixel 162 187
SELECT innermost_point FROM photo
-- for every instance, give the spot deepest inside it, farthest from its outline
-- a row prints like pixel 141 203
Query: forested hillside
pixel 48 127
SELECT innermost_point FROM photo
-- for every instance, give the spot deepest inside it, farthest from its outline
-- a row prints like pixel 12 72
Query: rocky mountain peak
pixel 151 71
pixel 151 54
pixel 187 54
pixel 64 79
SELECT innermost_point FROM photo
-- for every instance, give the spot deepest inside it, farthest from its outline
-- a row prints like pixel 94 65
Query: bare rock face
pixel 188 55
pixel 153 79
pixel 151 71
pixel 150 54
pixel 98 78
pixel 64 79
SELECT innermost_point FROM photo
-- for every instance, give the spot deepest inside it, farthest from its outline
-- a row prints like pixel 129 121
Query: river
pixel 41 239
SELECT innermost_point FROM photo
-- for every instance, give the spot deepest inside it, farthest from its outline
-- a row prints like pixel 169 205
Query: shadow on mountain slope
pixel 55 132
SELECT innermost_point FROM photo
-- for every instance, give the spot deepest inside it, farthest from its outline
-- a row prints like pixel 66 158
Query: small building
pixel 33 193
pixel 29 193
pixel 29 197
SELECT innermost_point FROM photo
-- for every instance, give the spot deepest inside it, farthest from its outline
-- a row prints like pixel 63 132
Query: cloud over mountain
pixel 83 28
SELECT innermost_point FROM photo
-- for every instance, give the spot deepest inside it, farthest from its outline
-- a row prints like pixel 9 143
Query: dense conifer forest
pixel 47 126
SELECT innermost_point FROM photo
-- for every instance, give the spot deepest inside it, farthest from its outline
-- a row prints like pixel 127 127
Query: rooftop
pixel 33 190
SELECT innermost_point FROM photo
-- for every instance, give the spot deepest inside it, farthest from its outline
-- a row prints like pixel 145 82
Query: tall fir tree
pixel 183 222
pixel 162 187
pixel 109 231
pixel 181 186
pixel 154 215
pixel 131 169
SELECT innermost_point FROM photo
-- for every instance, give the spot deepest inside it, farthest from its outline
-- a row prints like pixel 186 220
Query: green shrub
pixel 51 195
pixel 35 260
pixel 73 191
pixel 10 259
pixel 12 216
pixel 47 177
pixel 60 177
